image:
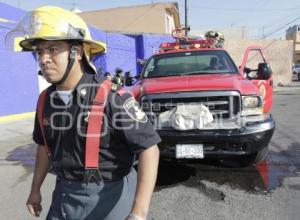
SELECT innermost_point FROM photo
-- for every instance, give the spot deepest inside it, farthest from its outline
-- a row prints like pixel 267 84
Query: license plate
pixel 189 151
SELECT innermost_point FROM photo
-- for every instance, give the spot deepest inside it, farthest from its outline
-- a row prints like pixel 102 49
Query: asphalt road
pixel 269 191
pixel 195 191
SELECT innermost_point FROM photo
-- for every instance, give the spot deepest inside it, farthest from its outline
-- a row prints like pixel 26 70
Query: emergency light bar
pixel 188 44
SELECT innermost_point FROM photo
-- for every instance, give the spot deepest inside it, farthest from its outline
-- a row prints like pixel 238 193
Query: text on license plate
pixel 189 151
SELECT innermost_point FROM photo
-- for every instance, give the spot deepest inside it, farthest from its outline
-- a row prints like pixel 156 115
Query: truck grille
pixel 222 104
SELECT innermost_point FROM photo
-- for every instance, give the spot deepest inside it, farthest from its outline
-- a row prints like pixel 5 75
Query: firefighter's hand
pixel 34 203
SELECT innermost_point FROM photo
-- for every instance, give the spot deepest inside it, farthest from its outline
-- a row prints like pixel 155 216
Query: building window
pixel 169 23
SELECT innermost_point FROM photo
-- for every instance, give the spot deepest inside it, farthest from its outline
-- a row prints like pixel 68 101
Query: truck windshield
pixel 189 63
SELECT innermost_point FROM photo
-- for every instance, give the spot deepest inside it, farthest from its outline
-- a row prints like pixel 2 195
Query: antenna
pixel 186 17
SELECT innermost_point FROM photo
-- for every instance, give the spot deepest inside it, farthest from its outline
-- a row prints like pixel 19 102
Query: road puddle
pixel 260 179
pixel 281 166
pixel 24 155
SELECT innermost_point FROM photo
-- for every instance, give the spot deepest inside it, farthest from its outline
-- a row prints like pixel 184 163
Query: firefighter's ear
pixel 76 51
pixel 79 52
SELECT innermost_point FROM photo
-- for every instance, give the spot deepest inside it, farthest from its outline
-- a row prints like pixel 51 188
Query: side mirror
pixel 247 70
pixel 264 71
pixel 249 73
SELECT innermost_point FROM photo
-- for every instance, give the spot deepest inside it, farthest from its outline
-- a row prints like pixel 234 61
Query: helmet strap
pixel 71 60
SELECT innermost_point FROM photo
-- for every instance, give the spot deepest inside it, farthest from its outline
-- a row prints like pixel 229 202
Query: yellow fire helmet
pixel 218 36
pixel 54 23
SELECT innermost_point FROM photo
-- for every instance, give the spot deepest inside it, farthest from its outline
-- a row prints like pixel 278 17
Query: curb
pixel 287 88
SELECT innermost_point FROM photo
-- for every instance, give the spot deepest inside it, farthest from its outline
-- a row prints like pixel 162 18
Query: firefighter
pixel 63 46
pixel 218 36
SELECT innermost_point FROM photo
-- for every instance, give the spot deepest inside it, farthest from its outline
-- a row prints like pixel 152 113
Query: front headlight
pixel 252 105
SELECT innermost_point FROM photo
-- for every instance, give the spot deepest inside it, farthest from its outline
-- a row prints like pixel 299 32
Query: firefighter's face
pixel 53 59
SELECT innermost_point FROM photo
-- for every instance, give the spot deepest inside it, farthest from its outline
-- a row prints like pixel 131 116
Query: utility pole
pixel 185 17
pixel 263 32
pixel 243 32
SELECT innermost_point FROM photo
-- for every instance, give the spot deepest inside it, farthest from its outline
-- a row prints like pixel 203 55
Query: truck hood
pixel 216 82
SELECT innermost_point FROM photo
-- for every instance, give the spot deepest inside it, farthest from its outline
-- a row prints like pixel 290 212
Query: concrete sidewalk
pixel 294 85
pixel 16 168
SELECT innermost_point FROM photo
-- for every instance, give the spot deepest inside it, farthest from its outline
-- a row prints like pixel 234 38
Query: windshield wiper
pixel 157 76
pixel 212 72
pixel 196 73
pixel 184 74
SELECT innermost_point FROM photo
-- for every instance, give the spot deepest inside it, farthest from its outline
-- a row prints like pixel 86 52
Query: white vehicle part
pixel 186 117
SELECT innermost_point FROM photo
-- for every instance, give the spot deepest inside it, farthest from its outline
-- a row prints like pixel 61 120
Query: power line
pixel 283 26
pixel 280 20
pixel 245 9
pixel 242 18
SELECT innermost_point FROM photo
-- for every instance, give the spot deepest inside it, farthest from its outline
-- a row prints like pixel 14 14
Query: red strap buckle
pixel 92 173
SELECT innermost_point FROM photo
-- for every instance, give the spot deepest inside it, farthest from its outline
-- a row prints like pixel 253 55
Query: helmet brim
pixel 92 47
pixel 95 47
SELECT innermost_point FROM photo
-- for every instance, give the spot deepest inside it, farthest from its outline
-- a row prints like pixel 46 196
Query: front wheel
pixel 245 161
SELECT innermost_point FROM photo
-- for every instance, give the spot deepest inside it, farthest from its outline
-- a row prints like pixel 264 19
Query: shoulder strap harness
pixel 93 138
pixel 40 111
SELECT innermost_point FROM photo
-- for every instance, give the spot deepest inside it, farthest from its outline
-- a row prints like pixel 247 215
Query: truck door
pixel 252 57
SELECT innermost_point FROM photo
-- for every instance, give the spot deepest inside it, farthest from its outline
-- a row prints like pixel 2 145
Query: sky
pixel 262 18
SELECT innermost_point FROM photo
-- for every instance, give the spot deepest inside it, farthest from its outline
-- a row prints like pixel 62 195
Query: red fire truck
pixel 203 105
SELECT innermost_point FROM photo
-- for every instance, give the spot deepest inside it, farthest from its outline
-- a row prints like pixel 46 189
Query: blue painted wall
pixel 140 51
pixel 99 60
pixel 146 45
pixel 19 83
pixel 19 86
pixel 11 13
pixel 151 43
pixel 121 52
